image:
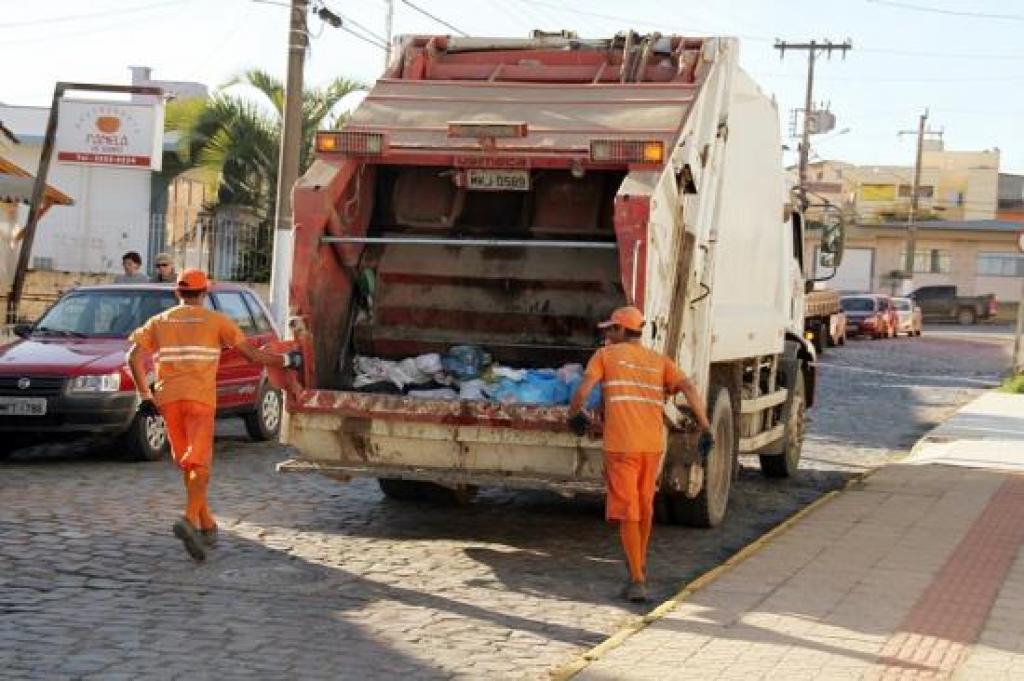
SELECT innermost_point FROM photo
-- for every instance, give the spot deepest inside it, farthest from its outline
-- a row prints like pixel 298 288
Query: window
pixel 262 323
pixel 41 263
pixel 923 192
pixel 105 313
pixel 1000 265
pixel 234 307
pixel 933 261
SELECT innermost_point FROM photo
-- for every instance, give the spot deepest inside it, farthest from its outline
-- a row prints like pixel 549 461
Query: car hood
pixel 63 356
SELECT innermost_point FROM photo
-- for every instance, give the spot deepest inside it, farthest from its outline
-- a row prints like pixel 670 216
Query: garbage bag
pixel 472 390
pixel 466 362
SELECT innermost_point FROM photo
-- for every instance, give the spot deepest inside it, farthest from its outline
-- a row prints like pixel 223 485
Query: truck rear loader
pixel 510 193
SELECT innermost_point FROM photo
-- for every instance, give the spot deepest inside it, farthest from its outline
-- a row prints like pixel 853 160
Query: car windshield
pixel 858 304
pixel 106 313
pixel 902 304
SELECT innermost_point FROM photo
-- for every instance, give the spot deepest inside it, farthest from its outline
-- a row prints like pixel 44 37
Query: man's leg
pixel 621 472
pixel 199 426
pixel 648 479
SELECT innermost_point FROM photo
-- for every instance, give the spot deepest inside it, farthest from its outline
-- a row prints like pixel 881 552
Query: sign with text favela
pixel 121 134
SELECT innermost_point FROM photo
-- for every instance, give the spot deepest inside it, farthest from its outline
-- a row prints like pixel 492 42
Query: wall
pixel 111 211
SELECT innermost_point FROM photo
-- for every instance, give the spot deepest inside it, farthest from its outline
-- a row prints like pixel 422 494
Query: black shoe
pixel 635 592
pixel 209 537
pixel 190 537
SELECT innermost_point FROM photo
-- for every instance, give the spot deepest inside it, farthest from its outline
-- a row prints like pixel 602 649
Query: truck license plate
pixel 478 179
pixel 22 406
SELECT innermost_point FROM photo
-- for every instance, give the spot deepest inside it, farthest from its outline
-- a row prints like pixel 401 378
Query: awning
pixel 16 187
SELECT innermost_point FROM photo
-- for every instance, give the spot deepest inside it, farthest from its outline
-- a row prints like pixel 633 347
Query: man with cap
pixel 635 381
pixel 186 343
pixel 165 273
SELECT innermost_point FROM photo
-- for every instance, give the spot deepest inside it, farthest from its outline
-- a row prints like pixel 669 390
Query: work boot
pixel 190 537
pixel 635 592
pixel 209 537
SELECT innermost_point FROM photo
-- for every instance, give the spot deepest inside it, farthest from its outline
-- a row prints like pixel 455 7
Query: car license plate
pixel 478 179
pixel 22 406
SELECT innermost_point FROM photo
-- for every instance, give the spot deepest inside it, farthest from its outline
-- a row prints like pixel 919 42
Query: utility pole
pixel 812 48
pixel 908 261
pixel 288 164
pixel 389 31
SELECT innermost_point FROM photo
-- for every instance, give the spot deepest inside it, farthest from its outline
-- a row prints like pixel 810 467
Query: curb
pixel 574 667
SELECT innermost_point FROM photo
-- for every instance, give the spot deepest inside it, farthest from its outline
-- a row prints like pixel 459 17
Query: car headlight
pixel 105 383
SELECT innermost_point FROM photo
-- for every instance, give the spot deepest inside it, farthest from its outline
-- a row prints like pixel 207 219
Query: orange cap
pixel 627 317
pixel 193 280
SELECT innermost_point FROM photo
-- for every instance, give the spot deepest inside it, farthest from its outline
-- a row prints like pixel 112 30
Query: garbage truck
pixel 508 194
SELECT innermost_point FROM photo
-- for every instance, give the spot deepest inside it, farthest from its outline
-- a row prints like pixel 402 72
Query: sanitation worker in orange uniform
pixel 635 381
pixel 186 343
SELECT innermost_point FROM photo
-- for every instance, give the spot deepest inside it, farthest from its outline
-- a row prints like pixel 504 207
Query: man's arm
pixel 684 385
pixel 582 393
pixel 138 370
pixel 258 356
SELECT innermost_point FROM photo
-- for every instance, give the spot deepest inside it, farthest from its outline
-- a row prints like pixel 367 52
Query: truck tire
pixel 708 508
pixel 786 463
pixel 264 422
pixel 819 338
pixel 146 439
pixel 419 490
pixel 966 316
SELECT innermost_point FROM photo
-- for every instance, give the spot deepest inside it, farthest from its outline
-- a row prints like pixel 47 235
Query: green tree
pixel 235 141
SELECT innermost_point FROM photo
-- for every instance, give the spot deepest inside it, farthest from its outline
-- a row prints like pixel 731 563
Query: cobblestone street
pixel 314 579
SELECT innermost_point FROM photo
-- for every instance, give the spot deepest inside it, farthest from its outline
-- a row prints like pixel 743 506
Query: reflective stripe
pixel 191 348
pixel 634 384
pixel 634 398
pixel 639 367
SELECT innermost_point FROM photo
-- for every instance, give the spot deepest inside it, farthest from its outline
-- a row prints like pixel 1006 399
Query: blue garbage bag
pixel 593 399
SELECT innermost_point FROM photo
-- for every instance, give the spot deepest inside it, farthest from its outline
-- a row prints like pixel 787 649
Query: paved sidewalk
pixel 916 572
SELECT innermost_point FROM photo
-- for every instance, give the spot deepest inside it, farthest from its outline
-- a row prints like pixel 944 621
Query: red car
pixel 67 376
pixel 868 315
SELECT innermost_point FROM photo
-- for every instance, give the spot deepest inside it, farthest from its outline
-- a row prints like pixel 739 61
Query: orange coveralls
pixel 186 343
pixel 634 384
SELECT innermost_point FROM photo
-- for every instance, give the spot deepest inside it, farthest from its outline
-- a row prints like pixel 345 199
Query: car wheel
pixel 146 438
pixel 708 508
pixel 785 464
pixel 264 422
pixel 966 316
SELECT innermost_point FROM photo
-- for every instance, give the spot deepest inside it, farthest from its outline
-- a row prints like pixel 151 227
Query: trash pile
pixel 467 372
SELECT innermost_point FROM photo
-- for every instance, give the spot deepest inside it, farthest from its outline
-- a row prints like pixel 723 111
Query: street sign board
pixel 100 133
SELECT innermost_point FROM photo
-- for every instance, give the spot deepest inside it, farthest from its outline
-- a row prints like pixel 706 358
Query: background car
pixel 865 316
pixel 910 317
pixel 67 375
pixel 892 319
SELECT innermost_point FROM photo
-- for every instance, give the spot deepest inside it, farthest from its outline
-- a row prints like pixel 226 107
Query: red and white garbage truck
pixel 509 193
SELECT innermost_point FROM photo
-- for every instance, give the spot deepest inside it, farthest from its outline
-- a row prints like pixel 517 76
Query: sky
pixel 960 60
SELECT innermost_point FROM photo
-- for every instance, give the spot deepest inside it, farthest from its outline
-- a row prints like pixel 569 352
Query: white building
pixel 112 207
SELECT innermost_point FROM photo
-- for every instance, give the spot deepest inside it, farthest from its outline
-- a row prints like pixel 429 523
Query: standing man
pixel 132 264
pixel 634 384
pixel 165 273
pixel 186 342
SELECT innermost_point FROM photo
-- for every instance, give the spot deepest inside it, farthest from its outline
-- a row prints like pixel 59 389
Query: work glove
pixel 293 359
pixel 147 408
pixel 579 424
pixel 705 443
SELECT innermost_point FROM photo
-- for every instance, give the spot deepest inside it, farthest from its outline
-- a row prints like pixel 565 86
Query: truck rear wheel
pixel 785 464
pixel 708 508
pixel 418 490
pixel 966 316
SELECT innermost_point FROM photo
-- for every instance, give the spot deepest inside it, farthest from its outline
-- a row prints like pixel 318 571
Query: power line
pixel 361 27
pixel 91 15
pixel 949 12
pixel 363 37
pixel 434 17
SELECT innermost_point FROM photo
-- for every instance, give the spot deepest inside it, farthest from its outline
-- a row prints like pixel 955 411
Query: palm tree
pixel 236 142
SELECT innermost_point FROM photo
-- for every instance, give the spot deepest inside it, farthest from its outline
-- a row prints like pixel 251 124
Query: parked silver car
pixel 909 315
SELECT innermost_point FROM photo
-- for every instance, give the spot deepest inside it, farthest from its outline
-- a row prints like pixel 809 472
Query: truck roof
pixel 567 91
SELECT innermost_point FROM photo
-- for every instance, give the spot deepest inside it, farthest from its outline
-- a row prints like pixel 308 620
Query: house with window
pixel 977 256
